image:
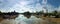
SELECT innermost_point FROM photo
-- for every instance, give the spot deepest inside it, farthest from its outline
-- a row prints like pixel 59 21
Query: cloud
pixel 20 5
pixel 5 5
pixel 58 9
pixel 27 5
pixel 52 8
pixel 20 8
pixel 24 5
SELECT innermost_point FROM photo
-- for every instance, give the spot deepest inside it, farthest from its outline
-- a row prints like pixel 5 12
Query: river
pixel 23 20
pixel 32 20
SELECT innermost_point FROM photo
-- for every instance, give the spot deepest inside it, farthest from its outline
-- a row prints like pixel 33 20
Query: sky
pixel 28 5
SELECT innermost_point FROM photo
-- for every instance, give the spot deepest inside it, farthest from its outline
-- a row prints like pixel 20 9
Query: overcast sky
pixel 27 5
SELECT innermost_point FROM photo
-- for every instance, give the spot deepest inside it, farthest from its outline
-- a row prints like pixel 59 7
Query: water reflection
pixel 32 20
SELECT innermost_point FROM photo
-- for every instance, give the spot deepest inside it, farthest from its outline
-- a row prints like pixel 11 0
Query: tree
pixel 55 13
pixel 0 12
pixel 27 14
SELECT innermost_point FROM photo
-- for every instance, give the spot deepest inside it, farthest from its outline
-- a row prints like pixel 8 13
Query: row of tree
pixel 54 13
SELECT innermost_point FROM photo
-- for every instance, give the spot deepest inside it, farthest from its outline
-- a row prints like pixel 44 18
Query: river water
pixel 32 20
pixel 23 20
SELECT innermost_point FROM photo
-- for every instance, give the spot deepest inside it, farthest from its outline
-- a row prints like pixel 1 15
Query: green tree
pixel 27 14
pixel 55 13
pixel 0 12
